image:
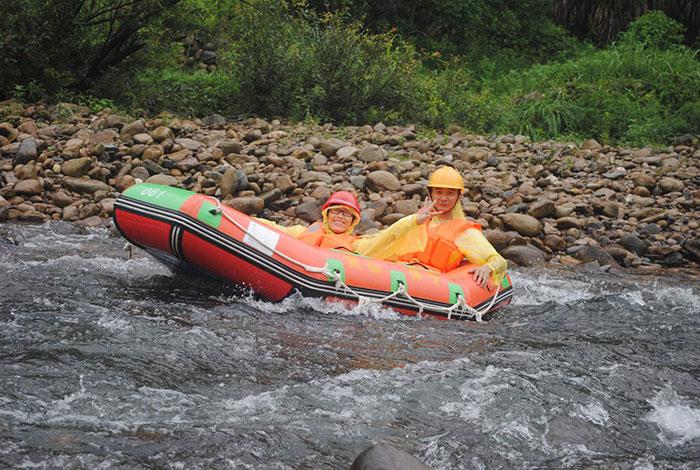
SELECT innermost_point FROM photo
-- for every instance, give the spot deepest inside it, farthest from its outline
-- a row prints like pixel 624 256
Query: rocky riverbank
pixel 538 202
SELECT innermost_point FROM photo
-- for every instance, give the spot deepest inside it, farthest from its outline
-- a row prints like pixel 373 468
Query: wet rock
pixel 285 184
pixel 406 206
pixel 675 259
pixel 32 216
pixel 386 457
pixel 524 255
pixel 670 185
pixel 346 153
pixel 542 208
pixel 28 187
pixel 309 211
pixel 27 151
pixel 61 199
pixel 85 185
pixel 247 204
pixel 634 244
pixel 594 253
pixel 129 131
pixel 691 249
pixel 213 120
pixel 229 146
pixel 382 180
pixel 372 153
pixel 161 133
pixel 525 225
pixel 165 180
pixel 76 167
pixel 331 146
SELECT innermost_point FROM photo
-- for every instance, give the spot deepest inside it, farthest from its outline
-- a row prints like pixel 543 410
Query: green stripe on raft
pixel 159 195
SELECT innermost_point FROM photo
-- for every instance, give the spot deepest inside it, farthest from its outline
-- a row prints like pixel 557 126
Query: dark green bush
pixel 654 30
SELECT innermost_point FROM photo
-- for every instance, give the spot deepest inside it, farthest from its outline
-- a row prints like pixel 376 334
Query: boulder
pixel 524 224
pixel 542 208
pixel 386 457
pixel 309 211
pixel 165 180
pixel 76 167
pixel 594 253
pixel 634 244
pixel 28 187
pixel 382 180
pixel 85 185
pixel 247 204
pixel 331 146
pixel 130 130
pixel 27 151
pixel 524 255
pixel 371 153
pixel 670 185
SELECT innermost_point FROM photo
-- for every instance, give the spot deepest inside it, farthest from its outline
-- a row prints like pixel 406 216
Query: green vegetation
pixel 546 68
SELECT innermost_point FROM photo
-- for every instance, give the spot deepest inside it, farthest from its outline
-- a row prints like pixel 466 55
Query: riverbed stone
pixel 77 166
pixel 524 255
pixel 250 205
pixel 29 187
pixel 165 180
pixel 381 180
pixel 27 151
pixel 85 185
pixel 524 224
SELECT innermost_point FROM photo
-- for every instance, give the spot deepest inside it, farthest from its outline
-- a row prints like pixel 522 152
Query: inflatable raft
pixel 180 227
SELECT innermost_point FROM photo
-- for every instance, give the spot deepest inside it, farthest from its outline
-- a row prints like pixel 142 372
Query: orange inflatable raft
pixel 181 227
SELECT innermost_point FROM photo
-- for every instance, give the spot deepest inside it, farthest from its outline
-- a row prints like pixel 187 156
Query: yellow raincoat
pixel 406 236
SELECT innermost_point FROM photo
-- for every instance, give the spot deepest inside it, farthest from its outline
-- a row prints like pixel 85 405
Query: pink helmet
pixel 343 198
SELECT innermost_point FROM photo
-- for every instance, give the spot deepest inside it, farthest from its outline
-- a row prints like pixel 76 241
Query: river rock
pixel 670 185
pixel 524 255
pixel 542 208
pixel 346 153
pixel 61 199
pixel 247 204
pixel 386 457
pixel 382 180
pixel 85 185
pixel 76 167
pixel 28 187
pixel 27 151
pixel 309 211
pixel 27 172
pixel 691 249
pixel 594 253
pixel 406 206
pixel 130 130
pixel 229 146
pixel 372 153
pixel 165 180
pixel 633 244
pixel 213 120
pixel 525 225
pixel 285 184
pixel 331 146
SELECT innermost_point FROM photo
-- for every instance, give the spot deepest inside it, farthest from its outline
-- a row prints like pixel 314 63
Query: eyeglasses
pixel 338 211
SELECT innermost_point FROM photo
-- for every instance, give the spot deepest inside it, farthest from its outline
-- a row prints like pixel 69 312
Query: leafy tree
pixel 71 43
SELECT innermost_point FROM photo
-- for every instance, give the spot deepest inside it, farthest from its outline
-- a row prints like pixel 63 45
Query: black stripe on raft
pixel 305 284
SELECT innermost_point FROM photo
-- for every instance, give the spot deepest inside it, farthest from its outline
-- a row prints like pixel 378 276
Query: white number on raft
pixel 152 192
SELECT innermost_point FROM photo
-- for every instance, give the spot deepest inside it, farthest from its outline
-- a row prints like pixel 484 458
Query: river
pixel 110 361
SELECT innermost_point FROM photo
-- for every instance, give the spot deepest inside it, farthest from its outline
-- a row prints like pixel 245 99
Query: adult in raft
pixel 446 238
pixel 339 216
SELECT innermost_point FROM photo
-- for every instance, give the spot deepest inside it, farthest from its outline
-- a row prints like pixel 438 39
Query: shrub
pixel 654 30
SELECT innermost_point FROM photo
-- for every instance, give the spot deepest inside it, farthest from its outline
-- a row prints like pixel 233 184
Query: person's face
pixel 444 198
pixel 339 219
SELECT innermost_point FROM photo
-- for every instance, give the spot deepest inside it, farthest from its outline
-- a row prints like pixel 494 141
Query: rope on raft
pixel 460 308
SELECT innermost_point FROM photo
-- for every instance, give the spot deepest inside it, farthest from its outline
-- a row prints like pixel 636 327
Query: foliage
pixel 70 43
pixel 654 30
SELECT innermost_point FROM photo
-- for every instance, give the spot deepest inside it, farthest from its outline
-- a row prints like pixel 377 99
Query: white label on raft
pixel 261 238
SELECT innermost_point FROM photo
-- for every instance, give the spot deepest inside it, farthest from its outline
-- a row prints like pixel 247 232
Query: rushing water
pixel 113 362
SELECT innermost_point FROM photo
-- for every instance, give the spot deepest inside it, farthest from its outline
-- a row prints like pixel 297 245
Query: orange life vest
pixel 315 236
pixel 441 252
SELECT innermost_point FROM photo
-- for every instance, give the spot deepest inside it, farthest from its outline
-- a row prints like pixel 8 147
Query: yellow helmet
pixel 446 177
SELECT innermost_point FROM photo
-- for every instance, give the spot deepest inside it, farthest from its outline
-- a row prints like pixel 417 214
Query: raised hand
pixel 426 212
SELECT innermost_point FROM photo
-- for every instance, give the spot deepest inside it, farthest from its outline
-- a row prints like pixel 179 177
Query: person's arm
pixel 478 250
pixel 402 237
pixel 293 230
